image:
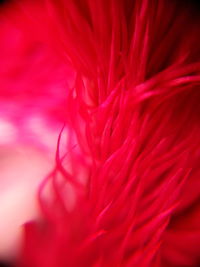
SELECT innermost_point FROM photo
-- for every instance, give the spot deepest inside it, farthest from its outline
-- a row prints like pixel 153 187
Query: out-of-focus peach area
pixel 22 168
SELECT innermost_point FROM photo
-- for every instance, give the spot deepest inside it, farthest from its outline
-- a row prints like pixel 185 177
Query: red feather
pixel 124 77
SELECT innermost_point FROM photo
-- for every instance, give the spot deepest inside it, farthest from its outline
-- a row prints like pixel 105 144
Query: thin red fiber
pixel 124 77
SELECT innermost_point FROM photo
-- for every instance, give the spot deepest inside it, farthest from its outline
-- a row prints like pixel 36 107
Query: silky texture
pixel 123 77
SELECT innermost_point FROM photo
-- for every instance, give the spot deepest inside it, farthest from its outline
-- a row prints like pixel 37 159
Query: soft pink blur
pixel 23 166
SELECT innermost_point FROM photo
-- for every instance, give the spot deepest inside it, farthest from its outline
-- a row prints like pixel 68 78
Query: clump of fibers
pixel 124 78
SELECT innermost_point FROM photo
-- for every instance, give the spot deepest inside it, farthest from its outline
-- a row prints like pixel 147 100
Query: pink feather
pixel 124 78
